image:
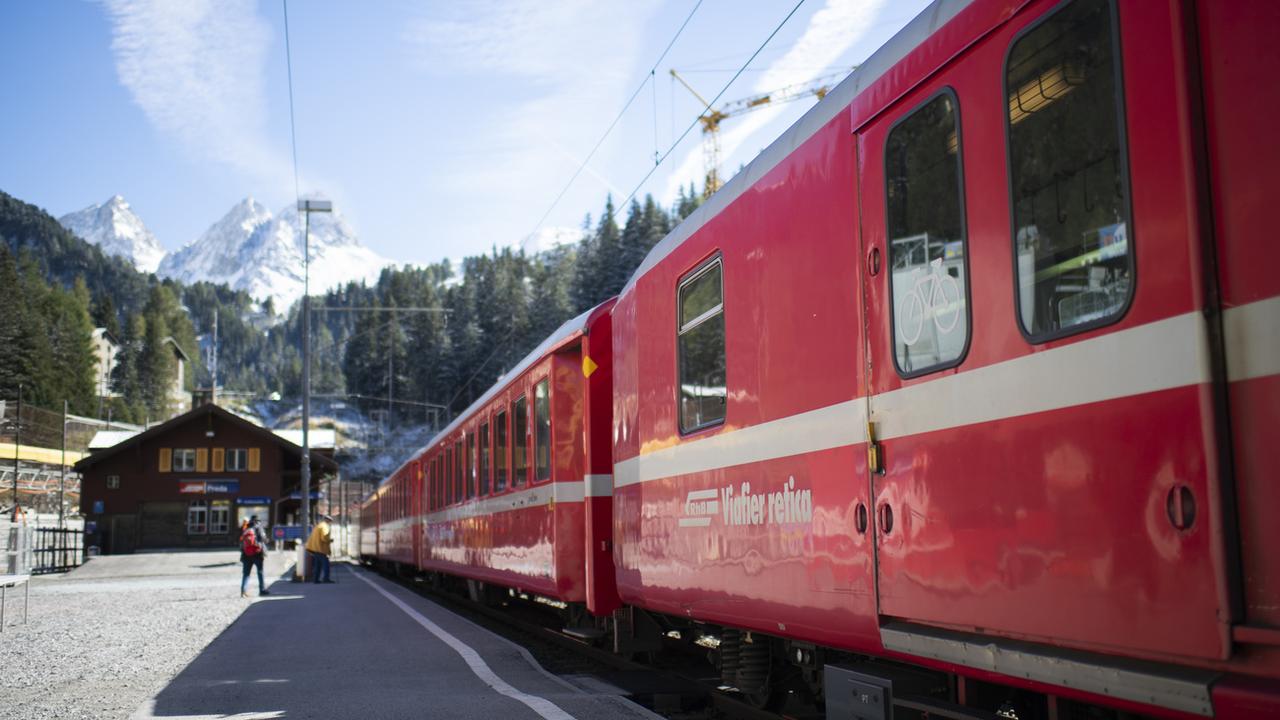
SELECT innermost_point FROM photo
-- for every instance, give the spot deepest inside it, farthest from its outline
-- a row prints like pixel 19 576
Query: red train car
pixel 504 495
pixel 966 383
pixel 959 362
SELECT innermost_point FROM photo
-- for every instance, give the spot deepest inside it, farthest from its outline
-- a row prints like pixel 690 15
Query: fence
pixel 57 550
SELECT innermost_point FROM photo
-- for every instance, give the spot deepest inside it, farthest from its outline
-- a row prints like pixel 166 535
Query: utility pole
pixel 306 207
pixel 17 450
pixel 213 363
pixel 391 366
pixel 62 485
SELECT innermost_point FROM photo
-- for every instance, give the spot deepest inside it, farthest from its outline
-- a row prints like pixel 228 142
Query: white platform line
pixel 545 708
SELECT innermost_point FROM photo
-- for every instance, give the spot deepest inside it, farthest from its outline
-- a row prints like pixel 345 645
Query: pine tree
pixel 16 361
pixel 71 346
pixel 157 368
pixel 105 316
pixel 126 379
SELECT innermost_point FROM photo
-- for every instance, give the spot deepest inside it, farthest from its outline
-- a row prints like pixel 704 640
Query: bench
pixel 8 581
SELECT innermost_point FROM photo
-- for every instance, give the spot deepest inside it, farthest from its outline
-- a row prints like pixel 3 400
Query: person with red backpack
pixel 253 550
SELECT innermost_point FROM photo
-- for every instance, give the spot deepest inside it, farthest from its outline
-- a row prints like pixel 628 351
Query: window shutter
pixel 219 456
pixel 255 459
pixel 166 459
pixel 202 459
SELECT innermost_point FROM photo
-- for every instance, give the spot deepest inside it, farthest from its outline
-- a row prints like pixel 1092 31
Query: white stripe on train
pixel 1162 355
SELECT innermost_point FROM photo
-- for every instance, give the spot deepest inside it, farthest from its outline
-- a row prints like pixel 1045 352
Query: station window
pixel 925 224
pixel 184 459
pixel 520 441
pixel 198 518
pixel 219 517
pixel 113 482
pixel 542 431
pixel 484 460
pixel 1072 237
pixel 701 348
pixel 500 452
pixel 237 459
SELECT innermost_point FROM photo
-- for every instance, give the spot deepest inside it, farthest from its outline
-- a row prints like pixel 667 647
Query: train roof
pixel 838 100
pixel 570 328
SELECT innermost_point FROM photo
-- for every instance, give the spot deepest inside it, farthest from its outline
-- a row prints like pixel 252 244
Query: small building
pixel 190 481
pixel 105 348
pixel 179 397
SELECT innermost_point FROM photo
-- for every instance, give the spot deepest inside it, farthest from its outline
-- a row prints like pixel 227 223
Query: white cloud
pixel 831 32
pixel 196 68
pixel 559 70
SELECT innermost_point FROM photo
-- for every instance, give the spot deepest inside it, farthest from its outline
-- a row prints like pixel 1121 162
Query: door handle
pixel 886 518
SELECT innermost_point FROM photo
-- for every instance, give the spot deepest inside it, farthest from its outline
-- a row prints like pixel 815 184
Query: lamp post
pixel 306 207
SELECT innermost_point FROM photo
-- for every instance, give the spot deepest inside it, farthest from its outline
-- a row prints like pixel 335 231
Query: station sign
pixel 287 532
pixel 208 487
pixel 253 501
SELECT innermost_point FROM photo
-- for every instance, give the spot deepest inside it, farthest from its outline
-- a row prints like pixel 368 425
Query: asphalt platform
pixel 368 648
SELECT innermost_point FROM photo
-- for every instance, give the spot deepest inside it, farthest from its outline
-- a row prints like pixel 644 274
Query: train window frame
pixel 469 466
pixel 436 462
pixel 457 470
pixel 1122 137
pixel 950 92
pixel 697 272
pixel 501 451
pixel 485 448
pixel 520 421
pixel 537 472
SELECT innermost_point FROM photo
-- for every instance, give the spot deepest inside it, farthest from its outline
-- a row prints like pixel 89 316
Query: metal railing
pixel 57 550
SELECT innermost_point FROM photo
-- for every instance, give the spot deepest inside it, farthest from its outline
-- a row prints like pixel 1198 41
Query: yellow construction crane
pixel 712 117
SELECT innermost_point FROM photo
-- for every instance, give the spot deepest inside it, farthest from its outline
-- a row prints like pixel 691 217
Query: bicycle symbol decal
pixel 933 295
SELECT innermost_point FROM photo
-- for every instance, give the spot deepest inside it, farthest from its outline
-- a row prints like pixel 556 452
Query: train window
pixel 541 432
pixel 520 441
pixel 437 488
pixel 484 460
pixel 1072 237
pixel 925 224
pixel 701 348
pixel 500 452
pixel 469 467
pixel 457 471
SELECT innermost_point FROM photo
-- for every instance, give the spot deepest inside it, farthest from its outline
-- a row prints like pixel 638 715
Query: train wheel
pixel 756 676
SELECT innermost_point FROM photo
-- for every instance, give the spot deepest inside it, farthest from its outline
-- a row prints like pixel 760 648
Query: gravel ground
pixel 102 639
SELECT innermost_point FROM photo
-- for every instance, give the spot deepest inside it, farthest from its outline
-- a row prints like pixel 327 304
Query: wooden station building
pixel 191 480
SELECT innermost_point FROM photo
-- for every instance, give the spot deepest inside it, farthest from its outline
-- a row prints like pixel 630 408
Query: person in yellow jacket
pixel 318 547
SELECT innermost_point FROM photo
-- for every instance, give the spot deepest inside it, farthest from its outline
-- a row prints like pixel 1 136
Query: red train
pixel 966 389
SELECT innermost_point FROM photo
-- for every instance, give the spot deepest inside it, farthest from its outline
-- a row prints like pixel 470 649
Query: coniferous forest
pixel 436 335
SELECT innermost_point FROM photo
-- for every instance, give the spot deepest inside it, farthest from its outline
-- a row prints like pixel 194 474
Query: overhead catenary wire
pixel 618 208
pixel 293 133
pixel 583 166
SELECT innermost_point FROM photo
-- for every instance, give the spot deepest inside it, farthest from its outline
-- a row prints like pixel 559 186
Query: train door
pixel 1238 53
pixel 1039 386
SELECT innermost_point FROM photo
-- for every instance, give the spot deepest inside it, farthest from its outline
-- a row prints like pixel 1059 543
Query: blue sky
pixel 438 129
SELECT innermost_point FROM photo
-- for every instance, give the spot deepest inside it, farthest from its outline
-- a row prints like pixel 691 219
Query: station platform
pixel 368 648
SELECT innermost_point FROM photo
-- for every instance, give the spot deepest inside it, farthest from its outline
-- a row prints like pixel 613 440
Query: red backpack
pixel 249 542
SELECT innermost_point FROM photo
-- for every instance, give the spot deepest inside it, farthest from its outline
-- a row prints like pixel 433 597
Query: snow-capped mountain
pixel 252 250
pixel 115 228
pixel 550 238
pixel 214 253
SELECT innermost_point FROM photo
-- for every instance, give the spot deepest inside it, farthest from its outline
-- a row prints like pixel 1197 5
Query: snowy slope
pixel 252 250
pixel 215 253
pixel 115 228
